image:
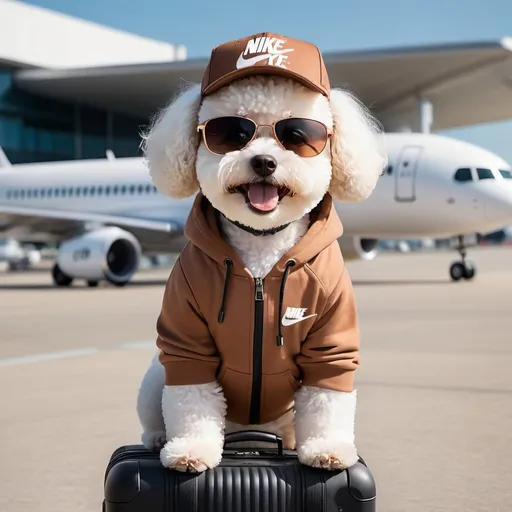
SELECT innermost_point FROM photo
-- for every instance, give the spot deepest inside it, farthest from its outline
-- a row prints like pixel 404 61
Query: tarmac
pixel 434 417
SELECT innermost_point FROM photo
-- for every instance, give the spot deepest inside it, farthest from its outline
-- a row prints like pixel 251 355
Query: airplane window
pixel 148 189
pixel 123 189
pixel 29 193
pixel 132 189
pixel 36 193
pixel 100 191
pixel 107 190
pixel 63 193
pixel 463 174
pixel 22 194
pixel 485 174
pixel 70 192
pixel 77 191
pixel 43 192
pixel 506 174
pixel 93 190
pixel 50 192
pixel 56 192
pixel 85 191
pixel 140 189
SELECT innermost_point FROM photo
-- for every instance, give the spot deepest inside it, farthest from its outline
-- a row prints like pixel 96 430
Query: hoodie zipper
pixel 254 415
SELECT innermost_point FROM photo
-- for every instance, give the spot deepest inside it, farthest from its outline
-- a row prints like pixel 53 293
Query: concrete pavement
pixel 435 388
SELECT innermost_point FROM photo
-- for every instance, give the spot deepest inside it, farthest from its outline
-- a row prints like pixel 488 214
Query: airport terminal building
pixel 36 128
pixel 71 89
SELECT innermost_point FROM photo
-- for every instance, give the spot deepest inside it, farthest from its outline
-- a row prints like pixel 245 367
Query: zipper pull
pixel 259 289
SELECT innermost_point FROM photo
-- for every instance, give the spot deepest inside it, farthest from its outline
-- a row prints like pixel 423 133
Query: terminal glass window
pixel 33 129
pixel 93 133
pixel 38 129
pixel 126 135
pixel 485 174
pixel 463 174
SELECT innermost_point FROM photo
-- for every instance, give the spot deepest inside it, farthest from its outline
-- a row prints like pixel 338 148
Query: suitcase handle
pixel 256 436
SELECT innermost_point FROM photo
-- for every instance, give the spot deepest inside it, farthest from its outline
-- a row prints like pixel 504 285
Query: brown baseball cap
pixel 266 54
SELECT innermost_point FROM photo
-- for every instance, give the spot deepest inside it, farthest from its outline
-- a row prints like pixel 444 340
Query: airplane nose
pixel 499 210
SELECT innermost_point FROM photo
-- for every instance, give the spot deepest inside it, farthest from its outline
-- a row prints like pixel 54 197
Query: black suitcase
pixel 247 480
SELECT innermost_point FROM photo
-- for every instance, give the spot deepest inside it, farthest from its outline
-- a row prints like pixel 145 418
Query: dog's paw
pixel 154 441
pixel 191 454
pixel 320 453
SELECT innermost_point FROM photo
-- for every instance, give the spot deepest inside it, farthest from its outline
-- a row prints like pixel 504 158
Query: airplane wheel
pixel 469 271
pixel 92 284
pixel 59 278
pixel 457 271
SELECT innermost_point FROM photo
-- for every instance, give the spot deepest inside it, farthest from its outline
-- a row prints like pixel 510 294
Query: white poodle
pixel 259 188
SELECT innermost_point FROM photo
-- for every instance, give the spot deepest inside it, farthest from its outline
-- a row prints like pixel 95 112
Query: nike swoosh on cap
pixel 290 321
pixel 244 63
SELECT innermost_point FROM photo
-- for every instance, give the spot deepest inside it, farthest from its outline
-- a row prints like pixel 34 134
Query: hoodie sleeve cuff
pixel 328 376
pixel 189 373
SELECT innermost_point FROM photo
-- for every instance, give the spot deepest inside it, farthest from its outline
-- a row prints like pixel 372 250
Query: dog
pixel 258 326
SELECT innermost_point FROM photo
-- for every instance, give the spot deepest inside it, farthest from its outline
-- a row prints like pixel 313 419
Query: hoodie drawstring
pixel 289 265
pixel 227 263
pixel 222 313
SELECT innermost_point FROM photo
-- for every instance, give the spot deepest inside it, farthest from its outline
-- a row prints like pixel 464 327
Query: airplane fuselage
pixel 417 195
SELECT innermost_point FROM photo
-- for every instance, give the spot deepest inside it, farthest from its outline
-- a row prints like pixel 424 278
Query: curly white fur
pixel 171 146
pixel 358 151
pixel 194 425
pixel 188 422
pixel 258 255
pixel 324 427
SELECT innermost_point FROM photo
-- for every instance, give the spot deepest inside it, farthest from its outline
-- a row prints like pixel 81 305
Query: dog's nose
pixel 263 165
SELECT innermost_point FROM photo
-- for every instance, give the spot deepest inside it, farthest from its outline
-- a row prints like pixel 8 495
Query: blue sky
pixel 330 24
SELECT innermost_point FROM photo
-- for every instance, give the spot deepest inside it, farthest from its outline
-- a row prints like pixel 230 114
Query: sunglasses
pixel 305 137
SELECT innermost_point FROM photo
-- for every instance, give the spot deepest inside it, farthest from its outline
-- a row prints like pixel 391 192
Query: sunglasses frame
pixel 201 128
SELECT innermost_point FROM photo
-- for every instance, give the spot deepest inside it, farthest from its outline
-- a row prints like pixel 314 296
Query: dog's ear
pixel 358 154
pixel 170 145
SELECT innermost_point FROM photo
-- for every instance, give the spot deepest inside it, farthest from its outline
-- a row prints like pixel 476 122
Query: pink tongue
pixel 263 197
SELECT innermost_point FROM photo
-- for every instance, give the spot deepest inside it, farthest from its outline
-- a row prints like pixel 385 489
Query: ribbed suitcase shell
pixel 135 481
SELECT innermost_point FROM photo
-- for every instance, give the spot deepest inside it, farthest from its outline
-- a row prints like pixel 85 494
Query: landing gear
pixel 462 269
pixel 92 284
pixel 59 278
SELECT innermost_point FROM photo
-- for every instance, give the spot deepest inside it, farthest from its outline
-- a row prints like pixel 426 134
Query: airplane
pixel 106 213
pixel 17 256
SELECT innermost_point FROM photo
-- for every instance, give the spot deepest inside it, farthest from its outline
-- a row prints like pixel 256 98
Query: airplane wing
pixel 468 83
pixel 21 222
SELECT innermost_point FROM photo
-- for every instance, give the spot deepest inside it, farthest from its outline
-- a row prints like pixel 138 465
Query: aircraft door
pixel 405 174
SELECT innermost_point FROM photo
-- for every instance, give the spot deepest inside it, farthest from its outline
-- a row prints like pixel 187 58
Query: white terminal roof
pixel 468 83
pixel 32 36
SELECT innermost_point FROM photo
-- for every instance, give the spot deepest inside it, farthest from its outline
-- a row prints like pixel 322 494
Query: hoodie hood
pixel 202 229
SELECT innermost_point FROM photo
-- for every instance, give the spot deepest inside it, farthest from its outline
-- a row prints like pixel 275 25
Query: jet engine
pixel 109 253
pixel 356 248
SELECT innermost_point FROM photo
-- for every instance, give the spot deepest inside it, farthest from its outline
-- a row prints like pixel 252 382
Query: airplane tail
pixel 4 161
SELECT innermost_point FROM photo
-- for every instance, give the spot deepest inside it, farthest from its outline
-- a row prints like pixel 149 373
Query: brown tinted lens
pixel 225 134
pixel 304 137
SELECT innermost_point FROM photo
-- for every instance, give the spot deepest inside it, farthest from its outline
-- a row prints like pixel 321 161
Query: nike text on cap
pixel 266 54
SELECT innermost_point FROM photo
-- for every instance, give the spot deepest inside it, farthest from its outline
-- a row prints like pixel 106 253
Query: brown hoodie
pixel 261 339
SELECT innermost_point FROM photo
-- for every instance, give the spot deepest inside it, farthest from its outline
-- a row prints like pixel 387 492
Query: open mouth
pixel 262 197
